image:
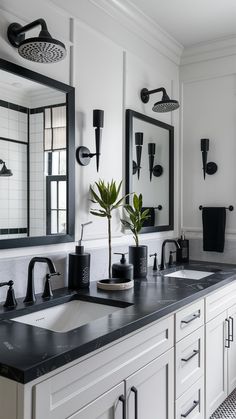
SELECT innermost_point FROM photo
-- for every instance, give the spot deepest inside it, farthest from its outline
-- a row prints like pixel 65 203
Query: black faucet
pixel 162 265
pixel 30 293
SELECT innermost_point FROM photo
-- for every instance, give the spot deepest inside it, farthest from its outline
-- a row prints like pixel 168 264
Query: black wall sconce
pixel 4 171
pixel 41 49
pixel 156 170
pixel 165 105
pixel 210 168
pixel 139 145
pixel 83 155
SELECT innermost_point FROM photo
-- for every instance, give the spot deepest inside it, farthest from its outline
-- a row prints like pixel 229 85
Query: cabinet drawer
pixel 220 300
pixel 189 319
pixel 189 361
pixel 191 404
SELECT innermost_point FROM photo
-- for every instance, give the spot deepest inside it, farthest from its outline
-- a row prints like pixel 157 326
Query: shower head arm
pixel 16 32
pixel 145 93
pixel 31 25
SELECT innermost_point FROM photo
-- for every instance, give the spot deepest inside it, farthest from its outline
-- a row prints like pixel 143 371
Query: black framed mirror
pixel 150 168
pixel 37 164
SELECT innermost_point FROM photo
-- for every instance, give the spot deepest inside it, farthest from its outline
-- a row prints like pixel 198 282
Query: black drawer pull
pixel 195 316
pixel 195 404
pixel 227 340
pixel 135 391
pixel 231 335
pixel 195 352
pixel 123 400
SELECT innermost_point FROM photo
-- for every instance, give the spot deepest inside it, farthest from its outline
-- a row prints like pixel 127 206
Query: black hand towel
pixel 213 221
pixel 150 222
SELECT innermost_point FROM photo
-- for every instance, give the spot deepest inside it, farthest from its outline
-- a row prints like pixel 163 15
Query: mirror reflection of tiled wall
pixel 13 151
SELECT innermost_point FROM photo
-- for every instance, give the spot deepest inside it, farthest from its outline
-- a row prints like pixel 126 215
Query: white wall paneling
pixel 208 96
pixel 109 60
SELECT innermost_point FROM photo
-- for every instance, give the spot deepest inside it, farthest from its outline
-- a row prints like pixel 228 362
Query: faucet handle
pixel 47 293
pixel 155 266
pixel 10 298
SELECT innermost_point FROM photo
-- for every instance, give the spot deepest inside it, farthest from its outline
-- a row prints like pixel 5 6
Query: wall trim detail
pixel 206 51
pixel 136 21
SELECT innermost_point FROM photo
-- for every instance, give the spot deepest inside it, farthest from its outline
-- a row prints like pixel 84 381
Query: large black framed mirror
pixel 37 164
pixel 150 168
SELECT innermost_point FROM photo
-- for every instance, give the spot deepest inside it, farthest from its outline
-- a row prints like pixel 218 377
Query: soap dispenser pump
pixel 79 265
pixel 123 269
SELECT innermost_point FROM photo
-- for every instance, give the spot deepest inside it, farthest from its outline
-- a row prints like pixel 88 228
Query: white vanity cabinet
pixel 183 365
pixel 220 346
pixel 148 391
pixel 139 368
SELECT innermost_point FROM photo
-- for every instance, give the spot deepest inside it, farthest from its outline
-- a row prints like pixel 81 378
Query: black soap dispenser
pixel 79 265
pixel 123 269
pixel 182 255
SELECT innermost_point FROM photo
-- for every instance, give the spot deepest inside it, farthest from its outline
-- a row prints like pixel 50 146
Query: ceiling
pixel 192 21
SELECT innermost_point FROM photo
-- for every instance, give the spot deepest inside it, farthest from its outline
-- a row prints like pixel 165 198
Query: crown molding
pixel 129 16
pixel 206 51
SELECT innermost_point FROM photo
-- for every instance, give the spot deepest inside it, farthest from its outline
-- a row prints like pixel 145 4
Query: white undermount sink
pixel 189 274
pixel 67 316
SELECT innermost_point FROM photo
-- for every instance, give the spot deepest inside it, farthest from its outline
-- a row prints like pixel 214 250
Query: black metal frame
pixel 130 114
pixel 70 101
pixel 49 179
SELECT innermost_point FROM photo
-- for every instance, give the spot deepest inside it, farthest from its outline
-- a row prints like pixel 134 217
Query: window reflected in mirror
pixel 33 145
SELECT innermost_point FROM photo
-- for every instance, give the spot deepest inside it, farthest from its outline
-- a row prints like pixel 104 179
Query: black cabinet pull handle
pixel 195 316
pixel 195 352
pixel 123 400
pixel 195 404
pixel 231 336
pixel 227 340
pixel 135 391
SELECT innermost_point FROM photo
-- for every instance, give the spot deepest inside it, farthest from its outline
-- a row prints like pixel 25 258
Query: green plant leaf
pixel 145 214
pixel 126 224
pixel 136 202
pixel 140 198
pixel 97 200
pixel 98 214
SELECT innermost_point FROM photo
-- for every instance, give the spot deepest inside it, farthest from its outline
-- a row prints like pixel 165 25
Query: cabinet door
pixel 150 391
pixel 216 362
pixel 232 350
pixel 108 406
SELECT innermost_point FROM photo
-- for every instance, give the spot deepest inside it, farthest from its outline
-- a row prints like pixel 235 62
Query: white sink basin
pixel 67 316
pixel 189 274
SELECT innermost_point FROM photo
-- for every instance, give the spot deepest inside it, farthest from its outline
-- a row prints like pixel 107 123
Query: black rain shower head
pixel 41 49
pixel 4 171
pixel 165 105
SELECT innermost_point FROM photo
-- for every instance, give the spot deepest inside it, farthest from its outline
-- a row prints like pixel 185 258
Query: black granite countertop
pixel 28 352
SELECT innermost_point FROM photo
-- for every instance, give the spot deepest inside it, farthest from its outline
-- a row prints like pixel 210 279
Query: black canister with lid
pixel 123 269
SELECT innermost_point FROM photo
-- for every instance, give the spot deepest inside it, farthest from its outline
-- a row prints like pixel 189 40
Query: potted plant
pixel 134 222
pixel 107 197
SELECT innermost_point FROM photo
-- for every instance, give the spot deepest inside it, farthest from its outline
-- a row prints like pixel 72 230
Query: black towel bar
pixel 230 208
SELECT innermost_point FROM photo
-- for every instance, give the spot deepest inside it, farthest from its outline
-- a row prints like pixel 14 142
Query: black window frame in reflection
pixel 70 102
pixel 129 135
